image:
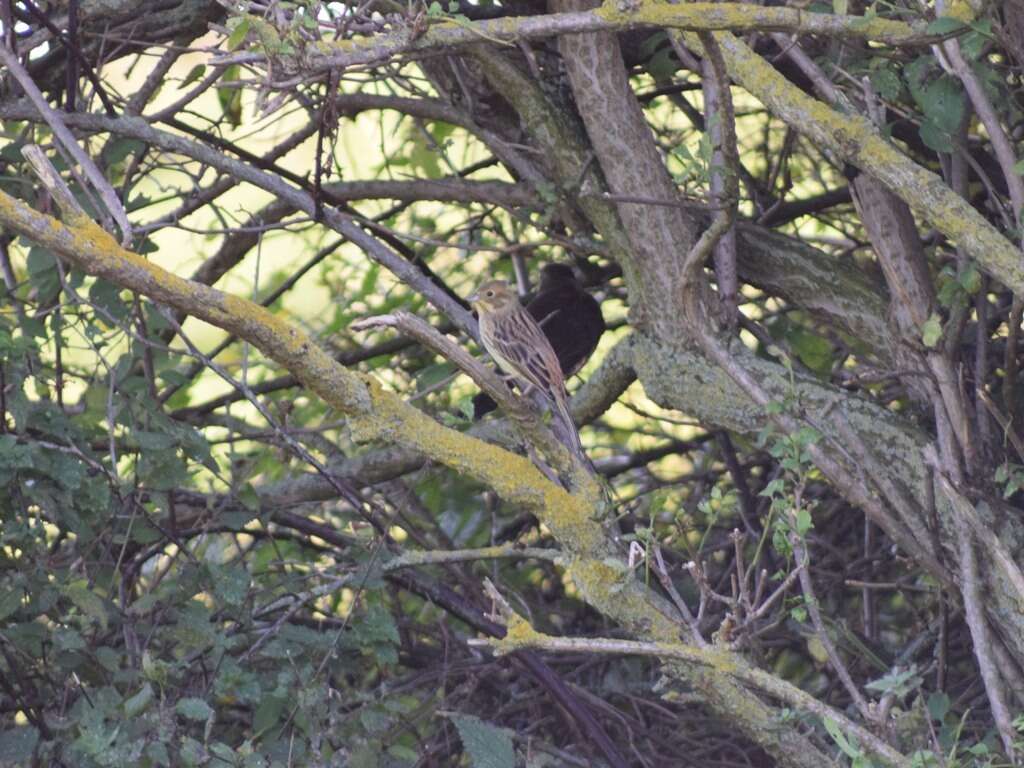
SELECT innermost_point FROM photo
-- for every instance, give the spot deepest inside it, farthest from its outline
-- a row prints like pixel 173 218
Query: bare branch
pixel 326 56
pixel 522 635
pixel 68 142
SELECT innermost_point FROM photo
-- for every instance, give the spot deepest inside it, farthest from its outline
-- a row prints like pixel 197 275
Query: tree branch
pixel 855 140
pixel 69 144
pixel 521 635
pixel 324 55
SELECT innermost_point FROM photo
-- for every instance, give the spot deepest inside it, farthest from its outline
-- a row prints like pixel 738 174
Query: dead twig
pixel 70 144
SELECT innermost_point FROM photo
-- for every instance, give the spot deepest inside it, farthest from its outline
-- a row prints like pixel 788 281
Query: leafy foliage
pixel 201 564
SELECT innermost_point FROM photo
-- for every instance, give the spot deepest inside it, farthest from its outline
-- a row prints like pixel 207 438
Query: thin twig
pixel 67 140
pixel 1004 423
pixel 666 581
pixel 54 184
pixel 724 172
pixel 982 638
pixel 723 661
pixel 433 339
pixel 516 407
pixel 814 611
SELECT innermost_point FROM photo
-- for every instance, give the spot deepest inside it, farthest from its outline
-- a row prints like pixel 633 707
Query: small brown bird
pixel 570 318
pixel 518 345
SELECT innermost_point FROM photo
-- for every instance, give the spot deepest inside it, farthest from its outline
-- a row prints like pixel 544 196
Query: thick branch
pixel 324 55
pixel 856 140
pixel 521 635
pixel 374 412
pixel 300 199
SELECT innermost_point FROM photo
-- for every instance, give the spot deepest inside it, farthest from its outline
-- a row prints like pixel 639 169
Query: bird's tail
pixel 569 435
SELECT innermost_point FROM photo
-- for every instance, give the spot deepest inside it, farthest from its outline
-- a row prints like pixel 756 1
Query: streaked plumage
pixel 570 318
pixel 518 345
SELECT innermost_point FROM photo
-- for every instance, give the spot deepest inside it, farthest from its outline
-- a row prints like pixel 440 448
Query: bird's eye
pixel 489 294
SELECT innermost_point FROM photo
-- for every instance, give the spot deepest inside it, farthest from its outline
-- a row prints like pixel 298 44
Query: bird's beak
pixel 473 298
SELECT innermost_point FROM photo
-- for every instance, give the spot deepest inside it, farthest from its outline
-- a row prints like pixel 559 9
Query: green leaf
pixel 369 282
pixel 886 83
pixel 157 752
pixel 10 601
pixel 970 278
pixel 193 75
pixel 950 291
pixel 934 137
pixel 932 331
pixel 840 7
pixel 68 640
pixel 238 33
pixel 14 455
pixel 863 22
pixel 107 297
pixel 108 658
pixel 173 377
pixel 897 682
pixel 944 25
pixel 812 350
pixel 663 64
pixel 975 42
pixel 649 46
pixel 118 149
pixel 194 709
pixel 249 497
pixel 162 470
pixel 487 745
pixel 230 583
pixel 401 752
pixel 918 74
pixel 840 738
pixel 192 752
pixel 153 441
pixel 424 157
pixel 804 523
pixel 87 601
pixel 944 103
pixel 17 745
pixel 42 274
pixel 224 754
pixel 466 407
pixel 137 704
pixel 938 706
pixel 231 98
pixel 268 714
pixel 806 436
pixel 433 375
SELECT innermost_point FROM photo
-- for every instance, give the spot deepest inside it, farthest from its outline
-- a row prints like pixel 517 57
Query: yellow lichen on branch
pixel 374 412
pixel 592 558
pixel 742 17
pixel 856 140
pixel 615 15
pixel 521 635
pixel 93 250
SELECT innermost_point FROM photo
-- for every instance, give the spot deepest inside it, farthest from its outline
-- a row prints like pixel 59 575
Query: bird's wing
pixel 519 342
pixel 549 304
pixel 571 319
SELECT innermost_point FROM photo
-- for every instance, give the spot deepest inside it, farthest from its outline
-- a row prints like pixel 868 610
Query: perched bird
pixel 570 318
pixel 518 345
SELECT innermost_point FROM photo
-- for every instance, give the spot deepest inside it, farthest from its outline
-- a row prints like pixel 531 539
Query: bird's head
pixel 556 273
pixel 493 296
